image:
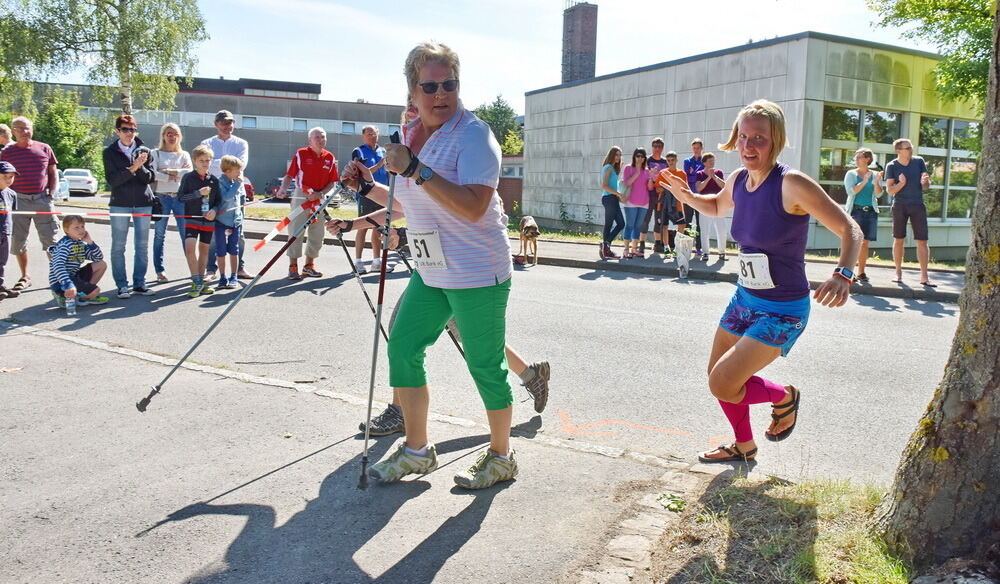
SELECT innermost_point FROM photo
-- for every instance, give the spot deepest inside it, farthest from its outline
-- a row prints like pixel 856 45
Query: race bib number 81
pixel 754 271
pixel 426 250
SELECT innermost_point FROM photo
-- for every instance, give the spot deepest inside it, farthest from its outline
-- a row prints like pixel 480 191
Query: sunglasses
pixel 128 130
pixel 431 87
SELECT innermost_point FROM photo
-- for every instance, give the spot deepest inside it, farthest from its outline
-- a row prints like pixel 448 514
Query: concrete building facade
pixel 838 94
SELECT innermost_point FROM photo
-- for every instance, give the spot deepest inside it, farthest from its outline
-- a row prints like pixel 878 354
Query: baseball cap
pixel 224 116
pixel 7 168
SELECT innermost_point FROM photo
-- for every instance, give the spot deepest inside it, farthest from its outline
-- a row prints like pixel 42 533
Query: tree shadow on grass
pixel 741 532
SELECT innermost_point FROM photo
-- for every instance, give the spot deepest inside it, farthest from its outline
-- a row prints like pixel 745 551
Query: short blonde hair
pixel 428 52
pixel 697 141
pixel 896 143
pixel 229 161
pixel 5 130
pixel 163 136
pixel 202 150
pixel 770 111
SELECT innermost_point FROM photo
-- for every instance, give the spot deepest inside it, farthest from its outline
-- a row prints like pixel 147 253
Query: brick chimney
pixel 579 41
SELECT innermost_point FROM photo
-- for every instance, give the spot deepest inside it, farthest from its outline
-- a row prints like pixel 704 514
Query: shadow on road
pixel 318 543
pixel 924 307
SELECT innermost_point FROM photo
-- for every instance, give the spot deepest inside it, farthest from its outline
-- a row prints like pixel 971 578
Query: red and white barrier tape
pixel 307 207
pixel 106 214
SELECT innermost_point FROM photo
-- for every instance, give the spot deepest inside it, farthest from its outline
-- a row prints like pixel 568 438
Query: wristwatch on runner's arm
pixel 844 273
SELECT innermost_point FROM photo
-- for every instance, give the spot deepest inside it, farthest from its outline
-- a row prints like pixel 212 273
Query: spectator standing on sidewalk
pixel 315 171
pixel 673 210
pixel 635 183
pixel 656 163
pixel 129 171
pixel 611 198
pixel 906 179
pixel 863 186
pixel 35 185
pixel 170 163
pixel 5 136
pixel 225 143
pixel 692 166
pixel 8 202
pixel 711 180
pixel 373 157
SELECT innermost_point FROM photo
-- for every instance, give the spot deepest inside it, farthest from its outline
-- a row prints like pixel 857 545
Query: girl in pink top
pixel 635 185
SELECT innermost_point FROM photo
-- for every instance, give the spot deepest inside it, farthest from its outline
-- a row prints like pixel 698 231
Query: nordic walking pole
pixel 144 402
pixel 340 239
pixel 363 481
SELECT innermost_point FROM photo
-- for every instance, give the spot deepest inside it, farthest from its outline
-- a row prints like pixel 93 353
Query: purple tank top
pixel 761 225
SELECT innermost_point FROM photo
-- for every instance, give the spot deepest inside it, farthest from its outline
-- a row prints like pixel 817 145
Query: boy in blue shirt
pixel 69 274
pixel 8 203
pixel 229 219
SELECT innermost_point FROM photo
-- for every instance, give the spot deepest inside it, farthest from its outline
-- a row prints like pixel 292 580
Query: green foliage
pixel 962 31
pixel 136 46
pixel 513 143
pixel 502 120
pixel 75 139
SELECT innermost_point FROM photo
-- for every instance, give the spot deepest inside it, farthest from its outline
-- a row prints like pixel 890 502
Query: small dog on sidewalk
pixel 529 241
pixel 683 243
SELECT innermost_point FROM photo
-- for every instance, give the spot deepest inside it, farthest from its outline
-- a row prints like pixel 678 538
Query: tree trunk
pixel 125 93
pixel 945 500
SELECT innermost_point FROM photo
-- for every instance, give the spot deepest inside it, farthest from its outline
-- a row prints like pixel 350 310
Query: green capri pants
pixel 481 316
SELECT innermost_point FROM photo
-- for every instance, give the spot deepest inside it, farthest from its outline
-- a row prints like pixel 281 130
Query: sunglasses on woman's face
pixel 128 130
pixel 431 87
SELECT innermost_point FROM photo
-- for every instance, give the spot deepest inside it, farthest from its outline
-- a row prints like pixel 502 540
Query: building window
pixel 967 135
pixel 249 122
pixel 882 127
pixel 841 123
pixel 393 128
pixel 299 125
pixel 347 128
pixel 933 132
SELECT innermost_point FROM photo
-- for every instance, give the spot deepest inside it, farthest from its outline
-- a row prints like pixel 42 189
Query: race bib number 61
pixel 426 250
pixel 754 271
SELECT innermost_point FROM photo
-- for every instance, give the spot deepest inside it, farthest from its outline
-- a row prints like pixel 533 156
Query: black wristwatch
pixel 426 174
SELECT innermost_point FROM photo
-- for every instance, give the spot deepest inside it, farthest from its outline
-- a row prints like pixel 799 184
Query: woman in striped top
pixel 458 233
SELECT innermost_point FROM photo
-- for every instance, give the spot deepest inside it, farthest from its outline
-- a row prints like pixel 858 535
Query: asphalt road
pixel 230 480
pixel 628 355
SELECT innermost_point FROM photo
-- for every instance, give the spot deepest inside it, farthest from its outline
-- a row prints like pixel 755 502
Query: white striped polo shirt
pixel 462 151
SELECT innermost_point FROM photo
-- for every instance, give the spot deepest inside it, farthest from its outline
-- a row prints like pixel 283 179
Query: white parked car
pixel 81 181
pixel 63 193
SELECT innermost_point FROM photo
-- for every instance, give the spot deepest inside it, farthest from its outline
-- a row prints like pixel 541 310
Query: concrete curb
pixel 642 267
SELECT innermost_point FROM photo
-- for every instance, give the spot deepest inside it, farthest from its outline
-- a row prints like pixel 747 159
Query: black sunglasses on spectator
pixel 431 87
pixel 128 130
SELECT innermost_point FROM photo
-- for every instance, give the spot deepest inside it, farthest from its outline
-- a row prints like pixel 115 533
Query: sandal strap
pixel 734 450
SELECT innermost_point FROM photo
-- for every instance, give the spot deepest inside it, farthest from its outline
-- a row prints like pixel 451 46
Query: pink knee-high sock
pixel 757 391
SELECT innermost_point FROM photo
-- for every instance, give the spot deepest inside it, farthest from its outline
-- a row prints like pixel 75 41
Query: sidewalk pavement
pixel 585 255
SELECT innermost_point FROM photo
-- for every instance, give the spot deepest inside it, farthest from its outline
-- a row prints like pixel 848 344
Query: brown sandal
pixel 793 408
pixel 734 454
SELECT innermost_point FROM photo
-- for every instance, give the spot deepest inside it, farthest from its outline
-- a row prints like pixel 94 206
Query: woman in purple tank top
pixel 771 206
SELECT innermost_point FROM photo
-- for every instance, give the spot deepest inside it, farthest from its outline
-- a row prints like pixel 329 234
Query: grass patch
pixel 774 532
